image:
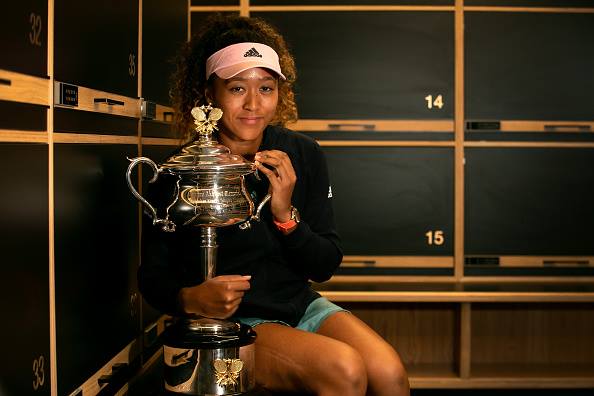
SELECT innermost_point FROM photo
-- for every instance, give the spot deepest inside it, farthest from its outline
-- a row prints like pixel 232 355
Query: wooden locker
pixel 523 66
pixel 393 202
pixel 23 37
pixel 198 18
pixel 96 256
pixel 215 2
pixel 164 30
pixel 96 45
pixel 531 3
pixel 24 273
pixel 350 2
pixel 159 154
pixel 525 206
pixel 371 65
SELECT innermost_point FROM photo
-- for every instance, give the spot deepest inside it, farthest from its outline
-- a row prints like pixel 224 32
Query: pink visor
pixel 232 60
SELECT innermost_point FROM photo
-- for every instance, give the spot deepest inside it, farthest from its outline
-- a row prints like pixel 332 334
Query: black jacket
pixel 281 265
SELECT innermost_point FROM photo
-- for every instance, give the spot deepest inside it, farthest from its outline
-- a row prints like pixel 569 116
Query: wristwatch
pixel 289 225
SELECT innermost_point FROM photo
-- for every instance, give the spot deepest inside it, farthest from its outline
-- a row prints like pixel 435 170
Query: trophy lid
pixel 211 326
pixel 204 154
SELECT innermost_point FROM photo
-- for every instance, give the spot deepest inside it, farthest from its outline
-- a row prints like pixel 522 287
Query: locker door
pixel 96 256
pixel 529 207
pixel 96 45
pixel 522 66
pixel 371 65
pixel 164 29
pixel 393 202
pixel 24 273
pixel 23 37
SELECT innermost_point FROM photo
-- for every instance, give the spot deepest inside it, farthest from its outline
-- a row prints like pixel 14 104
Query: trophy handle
pixel 260 206
pixel 167 224
pixel 256 217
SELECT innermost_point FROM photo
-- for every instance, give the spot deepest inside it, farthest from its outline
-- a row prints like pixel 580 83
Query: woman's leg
pixel 289 359
pixel 386 374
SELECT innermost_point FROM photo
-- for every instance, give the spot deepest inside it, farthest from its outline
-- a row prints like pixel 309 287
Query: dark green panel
pixel 22 116
pixel 96 254
pixel 380 136
pixel 370 65
pixel 387 199
pixel 164 29
pixel 531 3
pixel 198 18
pixel 159 129
pixel 585 136
pixel 352 2
pixel 493 270
pixel 23 37
pixel 529 201
pixel 158 154
pixel 24 272
pixel 96 46
pixel 215 2
pixel 76 121
pixel 371 270
pixel 529 66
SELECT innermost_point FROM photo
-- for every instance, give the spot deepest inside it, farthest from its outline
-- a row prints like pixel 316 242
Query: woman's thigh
pixel 289 359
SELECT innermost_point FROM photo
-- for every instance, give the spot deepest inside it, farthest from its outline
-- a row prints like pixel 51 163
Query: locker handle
pixel 4 81
pixel 111 102
pixel 119 373
pixel 571 128
pixel 367 127
pixel 168 116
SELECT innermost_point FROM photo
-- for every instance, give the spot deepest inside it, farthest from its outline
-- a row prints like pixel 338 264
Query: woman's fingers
pixel 233 283
pixel 278 164
pixel 277 167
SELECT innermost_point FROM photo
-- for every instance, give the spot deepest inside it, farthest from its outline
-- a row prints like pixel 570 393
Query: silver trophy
pixel 205 356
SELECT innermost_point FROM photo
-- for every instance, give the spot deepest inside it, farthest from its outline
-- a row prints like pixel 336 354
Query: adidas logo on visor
pixel 252 52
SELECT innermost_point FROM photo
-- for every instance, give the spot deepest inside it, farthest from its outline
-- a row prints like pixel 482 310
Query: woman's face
pixel 248 101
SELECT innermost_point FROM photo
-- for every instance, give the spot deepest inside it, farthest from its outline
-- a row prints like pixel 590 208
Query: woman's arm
pixel 312 246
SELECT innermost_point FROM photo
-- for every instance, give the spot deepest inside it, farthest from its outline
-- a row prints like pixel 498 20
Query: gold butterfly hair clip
pixel 206 119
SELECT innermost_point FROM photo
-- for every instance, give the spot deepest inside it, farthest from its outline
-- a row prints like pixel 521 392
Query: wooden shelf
pixel 529 375
pixel 502 376
pixel 452 292
pixel 534 370
pixel 432 375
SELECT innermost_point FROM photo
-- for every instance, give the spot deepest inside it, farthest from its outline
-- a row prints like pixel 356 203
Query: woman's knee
pixel 345 372
pixel 388 377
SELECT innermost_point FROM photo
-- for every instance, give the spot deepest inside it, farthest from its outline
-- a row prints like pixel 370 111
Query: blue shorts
pixel 315 314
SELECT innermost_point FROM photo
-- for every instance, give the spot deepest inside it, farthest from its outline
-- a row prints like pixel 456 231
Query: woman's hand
pixel 277 167
pixel 217 298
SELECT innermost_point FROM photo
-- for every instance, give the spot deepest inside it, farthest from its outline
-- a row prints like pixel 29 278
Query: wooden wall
pixel 73 78
pixel 466 126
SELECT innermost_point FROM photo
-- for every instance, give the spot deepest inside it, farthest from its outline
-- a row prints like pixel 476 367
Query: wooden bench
pixel 481 335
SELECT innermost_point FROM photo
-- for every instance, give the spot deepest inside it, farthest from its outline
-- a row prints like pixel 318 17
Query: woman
pixel 305 343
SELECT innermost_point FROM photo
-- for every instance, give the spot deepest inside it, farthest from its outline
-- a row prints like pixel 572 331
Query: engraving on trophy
pixel 197 196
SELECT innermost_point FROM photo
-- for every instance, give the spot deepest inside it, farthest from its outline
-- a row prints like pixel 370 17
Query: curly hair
pixel 189 84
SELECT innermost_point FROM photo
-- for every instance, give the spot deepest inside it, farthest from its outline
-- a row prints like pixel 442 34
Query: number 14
pixel 437 102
